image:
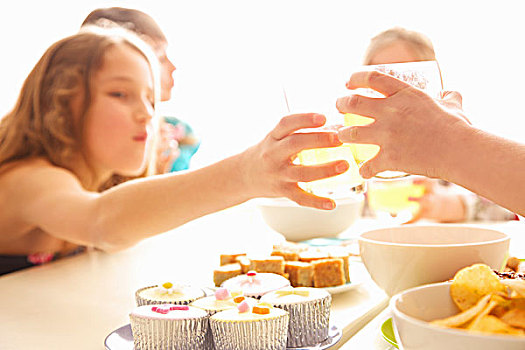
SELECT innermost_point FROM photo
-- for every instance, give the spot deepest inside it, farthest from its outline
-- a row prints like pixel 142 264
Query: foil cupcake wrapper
pixel 155 334
pixel 255 335
pixel 309 322
pixel 145 301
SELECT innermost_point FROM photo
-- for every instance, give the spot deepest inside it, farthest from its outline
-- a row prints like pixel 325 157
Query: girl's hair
pixel 134 20
pixel 41 124
pixel 419 43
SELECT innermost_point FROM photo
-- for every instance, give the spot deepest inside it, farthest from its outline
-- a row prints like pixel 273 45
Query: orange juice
pixel 342 182
pixel 393 196
pixel 362 152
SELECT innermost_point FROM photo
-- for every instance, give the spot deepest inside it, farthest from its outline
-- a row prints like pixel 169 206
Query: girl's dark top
pixel 12 263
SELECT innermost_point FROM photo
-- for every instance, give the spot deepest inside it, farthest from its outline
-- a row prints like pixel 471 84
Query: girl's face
pixel 166 70
pixel 118 120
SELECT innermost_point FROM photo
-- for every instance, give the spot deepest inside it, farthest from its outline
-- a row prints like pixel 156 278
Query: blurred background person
pixel 441 201
pixel 177 141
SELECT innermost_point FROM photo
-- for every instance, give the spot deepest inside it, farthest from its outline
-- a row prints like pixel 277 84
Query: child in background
pixel 85 113
pixel 177 140
pixel 442 201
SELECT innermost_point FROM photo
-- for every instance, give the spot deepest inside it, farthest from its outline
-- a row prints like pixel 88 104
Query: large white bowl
pixel 297 223
pixel 407 256
pixel 413 308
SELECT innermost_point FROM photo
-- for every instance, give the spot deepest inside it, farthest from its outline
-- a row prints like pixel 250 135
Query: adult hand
pixel 410 127
pixel 269 168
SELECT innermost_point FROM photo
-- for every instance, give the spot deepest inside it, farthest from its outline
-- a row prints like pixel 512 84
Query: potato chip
pixel 465 316
pixel 515 318
pixel 472 283
pixel 518 286
pixel 492 324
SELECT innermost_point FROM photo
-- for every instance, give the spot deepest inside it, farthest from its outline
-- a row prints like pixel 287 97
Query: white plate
pixel 343 288
pixel 122 339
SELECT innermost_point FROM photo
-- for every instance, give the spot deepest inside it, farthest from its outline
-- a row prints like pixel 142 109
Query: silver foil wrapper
pixel 155 334
pixel 254 335
pixel 309 322
pixel 144 301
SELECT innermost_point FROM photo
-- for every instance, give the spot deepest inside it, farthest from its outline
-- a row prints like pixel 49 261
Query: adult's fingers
pixel 294 122
pixel 358 134
pixel 383 83
pixel 358 104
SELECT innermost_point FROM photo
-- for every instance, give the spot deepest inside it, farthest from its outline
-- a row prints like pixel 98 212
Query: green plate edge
pixel 388 332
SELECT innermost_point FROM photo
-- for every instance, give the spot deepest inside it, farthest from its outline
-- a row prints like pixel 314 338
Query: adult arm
pixel 423 136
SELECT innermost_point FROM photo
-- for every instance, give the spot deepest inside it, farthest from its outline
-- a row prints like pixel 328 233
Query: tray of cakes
pixel 171 316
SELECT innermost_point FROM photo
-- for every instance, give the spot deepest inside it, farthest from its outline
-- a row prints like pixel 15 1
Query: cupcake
pixel 261 327
pixel 220 301
pixel 309 310
pixel 254 284
pixel 168 293
pixel 168 326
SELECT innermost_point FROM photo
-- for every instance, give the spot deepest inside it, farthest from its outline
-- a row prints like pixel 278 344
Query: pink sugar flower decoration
pixel 222 294
pixel 243 307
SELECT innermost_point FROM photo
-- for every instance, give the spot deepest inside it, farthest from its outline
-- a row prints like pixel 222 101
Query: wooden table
pixel 76 302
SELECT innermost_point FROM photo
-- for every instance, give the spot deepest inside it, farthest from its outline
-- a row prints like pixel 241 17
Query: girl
pixel 178 143
pixel 84 114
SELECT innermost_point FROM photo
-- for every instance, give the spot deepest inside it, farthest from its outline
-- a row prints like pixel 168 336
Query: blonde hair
pixel 41 124
pixel 418 42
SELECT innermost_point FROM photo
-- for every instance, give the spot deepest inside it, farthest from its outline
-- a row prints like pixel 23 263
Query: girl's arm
pixel 52 198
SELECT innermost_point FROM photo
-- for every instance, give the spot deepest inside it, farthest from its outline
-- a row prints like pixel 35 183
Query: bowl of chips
pixel 407 256
pixel 476 310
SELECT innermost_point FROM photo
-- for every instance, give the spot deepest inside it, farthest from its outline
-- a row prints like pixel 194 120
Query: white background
pixel 232 56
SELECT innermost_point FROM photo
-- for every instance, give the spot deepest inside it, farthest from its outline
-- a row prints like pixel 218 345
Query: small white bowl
pixel 297 223
pixel 414 308
pixel 407 256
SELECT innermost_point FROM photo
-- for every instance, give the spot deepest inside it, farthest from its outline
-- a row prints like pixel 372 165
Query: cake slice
pixel 225 272
pixel 328 273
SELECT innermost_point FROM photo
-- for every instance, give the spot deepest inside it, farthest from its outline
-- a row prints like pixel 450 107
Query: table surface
pixel 76 302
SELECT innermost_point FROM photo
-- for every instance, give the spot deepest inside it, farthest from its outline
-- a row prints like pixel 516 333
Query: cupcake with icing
pixel 255 285
pixel 222 300
pixel 258 327
pixel 168 293
pixel 309 310
pixel 169 326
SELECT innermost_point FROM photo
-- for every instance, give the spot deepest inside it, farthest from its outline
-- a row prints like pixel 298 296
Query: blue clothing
pixel 186 151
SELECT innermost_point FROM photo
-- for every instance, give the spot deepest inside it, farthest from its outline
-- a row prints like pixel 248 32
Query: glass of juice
pixel 339 185
pixel 391 197
pixel 424 75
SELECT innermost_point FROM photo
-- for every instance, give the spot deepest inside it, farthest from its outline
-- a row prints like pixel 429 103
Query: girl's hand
pixel 268 167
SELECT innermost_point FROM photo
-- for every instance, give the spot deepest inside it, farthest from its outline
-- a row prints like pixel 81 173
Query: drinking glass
pixel 424 75
pixel 389 199
pixel 311 93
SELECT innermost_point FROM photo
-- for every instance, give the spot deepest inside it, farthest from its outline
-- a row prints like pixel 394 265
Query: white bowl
pixel 299 223
pixel 413 308
pixel 406 256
